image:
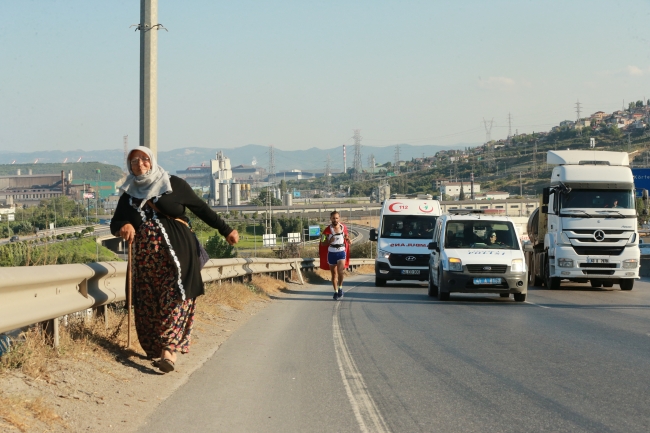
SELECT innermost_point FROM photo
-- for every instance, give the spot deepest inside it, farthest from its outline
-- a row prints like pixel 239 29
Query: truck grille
pixel 481 269
pixel 598 251
pixel 597 272
pixel 409 260
pixel 591 232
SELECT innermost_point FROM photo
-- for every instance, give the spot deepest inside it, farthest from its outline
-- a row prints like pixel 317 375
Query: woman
pixel 166 273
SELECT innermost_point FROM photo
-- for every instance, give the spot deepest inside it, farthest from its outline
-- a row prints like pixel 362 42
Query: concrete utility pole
pixel 149 74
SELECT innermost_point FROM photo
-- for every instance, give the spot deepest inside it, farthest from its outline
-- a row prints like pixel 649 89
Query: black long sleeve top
pixel 181 241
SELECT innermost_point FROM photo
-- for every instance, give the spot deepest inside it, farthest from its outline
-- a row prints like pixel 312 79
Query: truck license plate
pixel 597 260
pixel 478 281
pixel 410 272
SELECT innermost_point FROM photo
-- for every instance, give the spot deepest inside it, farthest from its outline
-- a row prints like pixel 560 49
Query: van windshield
pixel 481 234
pixel 408 226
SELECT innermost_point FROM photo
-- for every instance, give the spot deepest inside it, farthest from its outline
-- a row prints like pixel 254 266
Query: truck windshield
pixel 481 234
pixel 408 226
pixel 598 199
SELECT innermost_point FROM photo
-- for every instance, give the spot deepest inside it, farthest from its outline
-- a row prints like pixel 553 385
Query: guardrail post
pixel 51 330
pixel 102 312
pixel 296 265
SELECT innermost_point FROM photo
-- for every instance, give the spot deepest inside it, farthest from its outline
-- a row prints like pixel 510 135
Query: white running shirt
pixel 339 238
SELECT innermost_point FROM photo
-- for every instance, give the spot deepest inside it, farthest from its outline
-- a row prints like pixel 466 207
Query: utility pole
pixel 509 126
pixel 521 190
pixel 358 169
pixel 269 194
pixel 578 117
pixel 535 160
pixel 328 174
pixel 149 27
pixel 126 153
pixel 345 162
pixel 488 139
pixel 396 164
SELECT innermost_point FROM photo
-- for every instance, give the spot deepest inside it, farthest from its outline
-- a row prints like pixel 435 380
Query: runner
pixel 334 252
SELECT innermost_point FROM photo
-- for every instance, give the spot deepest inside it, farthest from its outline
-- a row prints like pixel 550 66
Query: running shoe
pixel 340 293
pixel 336 296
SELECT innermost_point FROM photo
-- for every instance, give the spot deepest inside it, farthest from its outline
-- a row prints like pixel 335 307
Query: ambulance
pixel 405 229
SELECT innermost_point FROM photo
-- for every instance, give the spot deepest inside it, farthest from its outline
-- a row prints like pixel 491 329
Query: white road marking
pixel 537 305
pixel 365 410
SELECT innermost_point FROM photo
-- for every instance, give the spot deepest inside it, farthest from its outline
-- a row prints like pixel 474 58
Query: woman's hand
pixel 233 237
pixel 127 232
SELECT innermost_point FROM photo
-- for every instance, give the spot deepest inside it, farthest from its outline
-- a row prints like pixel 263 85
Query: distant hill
pixel 179 159
pixel 80 170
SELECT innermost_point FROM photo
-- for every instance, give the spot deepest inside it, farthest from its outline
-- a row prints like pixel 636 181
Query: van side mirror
pixel 545 208
pixel 373 235
pixel 433 246
pixel 545 196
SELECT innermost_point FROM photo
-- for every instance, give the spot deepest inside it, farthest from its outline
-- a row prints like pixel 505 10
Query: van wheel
pixel 626 284
pixel 504 295
pixel 380 282
pixel 520 297
pixel 433 290
pixel 608 284
pixel 443 296
pixel 595 284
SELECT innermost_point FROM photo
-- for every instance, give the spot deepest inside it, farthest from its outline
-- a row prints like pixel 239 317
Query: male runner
pixel 335 244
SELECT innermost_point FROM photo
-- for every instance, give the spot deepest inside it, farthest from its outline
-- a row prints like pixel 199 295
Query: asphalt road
pixel 392 359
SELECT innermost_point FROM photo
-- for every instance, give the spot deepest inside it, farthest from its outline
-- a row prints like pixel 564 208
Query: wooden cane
pixel 128 299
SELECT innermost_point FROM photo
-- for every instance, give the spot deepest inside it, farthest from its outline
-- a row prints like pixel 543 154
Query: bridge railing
pixel 34 294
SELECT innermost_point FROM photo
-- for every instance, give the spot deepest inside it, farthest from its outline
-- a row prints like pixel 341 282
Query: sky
pixel 302 74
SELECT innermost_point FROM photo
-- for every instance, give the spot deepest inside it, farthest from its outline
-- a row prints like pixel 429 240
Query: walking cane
pixel 128 299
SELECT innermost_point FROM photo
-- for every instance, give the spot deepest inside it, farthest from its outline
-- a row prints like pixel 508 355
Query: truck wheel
pixel 433 290
pixel 520 297
pixel 552 283
pixel 626 284
pixel 443 296
pixel 595 284
pixel 379 282
pixel 608 284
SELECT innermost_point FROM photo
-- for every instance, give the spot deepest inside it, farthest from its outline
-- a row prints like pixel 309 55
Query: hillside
pixel 80 170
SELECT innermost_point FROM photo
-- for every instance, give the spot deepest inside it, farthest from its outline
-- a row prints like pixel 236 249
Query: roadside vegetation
pixel 47 251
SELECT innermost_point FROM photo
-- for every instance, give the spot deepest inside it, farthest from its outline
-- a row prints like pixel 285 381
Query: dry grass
pixel 365 269
pixel 18 413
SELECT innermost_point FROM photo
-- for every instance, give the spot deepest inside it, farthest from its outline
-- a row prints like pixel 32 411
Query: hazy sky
pixel 298 74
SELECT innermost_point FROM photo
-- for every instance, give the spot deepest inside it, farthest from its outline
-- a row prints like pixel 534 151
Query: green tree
pixel 461 197
pixel 217 247
pixel 639 104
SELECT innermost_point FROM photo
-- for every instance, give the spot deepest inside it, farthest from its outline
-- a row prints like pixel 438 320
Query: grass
pixel 86 339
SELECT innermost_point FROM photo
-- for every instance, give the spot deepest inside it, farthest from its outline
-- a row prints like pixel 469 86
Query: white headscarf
pixel 153 183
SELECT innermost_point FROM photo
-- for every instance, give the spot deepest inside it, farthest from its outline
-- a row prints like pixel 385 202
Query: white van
pixel 405 230
pixel 473 252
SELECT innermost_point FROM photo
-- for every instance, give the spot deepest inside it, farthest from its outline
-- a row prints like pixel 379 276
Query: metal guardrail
pixel 34 294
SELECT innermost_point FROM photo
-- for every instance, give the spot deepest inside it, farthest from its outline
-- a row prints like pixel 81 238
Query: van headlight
pixel 384 254
pixel 455 264
pixel 630 264
pixel 517 265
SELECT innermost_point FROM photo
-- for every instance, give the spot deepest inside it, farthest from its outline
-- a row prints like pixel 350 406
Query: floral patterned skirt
pixel 162 319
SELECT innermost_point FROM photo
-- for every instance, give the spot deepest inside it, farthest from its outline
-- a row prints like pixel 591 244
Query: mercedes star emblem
pixel 599 235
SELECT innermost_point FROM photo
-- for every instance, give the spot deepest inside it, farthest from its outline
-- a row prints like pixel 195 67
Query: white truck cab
pixel 405 229
pixel 473 252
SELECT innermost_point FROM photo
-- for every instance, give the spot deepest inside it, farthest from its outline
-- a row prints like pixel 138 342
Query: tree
pixel 218 248
pixel 283 186
pixel 461 196
pixel 639 104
